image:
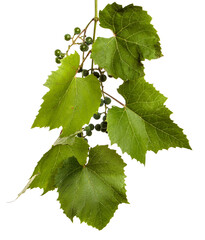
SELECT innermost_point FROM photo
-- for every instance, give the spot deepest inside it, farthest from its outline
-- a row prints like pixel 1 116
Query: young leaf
pixel 53 159
pixel 71 101
pixel 157 129
pixel 93 192
pixel 134 40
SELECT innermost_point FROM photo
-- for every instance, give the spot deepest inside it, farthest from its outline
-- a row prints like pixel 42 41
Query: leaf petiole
pixel 114 99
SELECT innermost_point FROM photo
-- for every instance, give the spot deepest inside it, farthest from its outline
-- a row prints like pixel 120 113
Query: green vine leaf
pixel 134 40
pixel 154 131
pixel 53 159
pixel 93 192
pixel 71 101
pixel 127 129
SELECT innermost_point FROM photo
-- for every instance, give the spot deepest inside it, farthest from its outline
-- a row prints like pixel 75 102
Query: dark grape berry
pixel 103 129
pixel 84 47
pixel 79 134
pixel 88 133
pixel 91 126
pixel 80 70
pixel 67 37
pixel 102 102
pixel 107 100
pixel 96 74
pixel 103 78
pixel 110 76
pixel 104 118
pixel 89 40
pixel 58 60
pixel 57 52
pixel 97 127
pixel 87 128
pixel 103 125
pixel 85 72
pixel 96 116
pixel 77 30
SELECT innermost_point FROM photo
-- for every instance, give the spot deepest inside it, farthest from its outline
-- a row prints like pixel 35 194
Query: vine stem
pixel 95 26
pixel 114 99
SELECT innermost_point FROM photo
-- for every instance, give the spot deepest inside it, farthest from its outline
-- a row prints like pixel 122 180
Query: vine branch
pixel 95 26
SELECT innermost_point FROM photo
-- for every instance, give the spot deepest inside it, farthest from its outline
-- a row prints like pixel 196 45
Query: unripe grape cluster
pixel 59 55
pixel 84 46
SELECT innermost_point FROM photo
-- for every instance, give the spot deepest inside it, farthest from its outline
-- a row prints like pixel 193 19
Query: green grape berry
pixel 102 102
pixel 103 78
pixel 107 100
pixel 62 55
pixel 85 72
pixel 87 128
pixel 91 126
pixel 97 127
pixel 104 118
pixel 84 47
pixel 57 52
pixel 96 74
pixel 96 116
pixel 86 139
pixel 58 60
pixel 88 133
pixel 77 30
pixel 89 40
pixel 67 37
pixel 103 125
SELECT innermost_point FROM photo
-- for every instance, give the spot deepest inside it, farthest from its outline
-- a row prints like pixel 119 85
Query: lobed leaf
pixel 155 127
pixel 53 159
pixel 71 101
pixel 93 192
pixel 134 40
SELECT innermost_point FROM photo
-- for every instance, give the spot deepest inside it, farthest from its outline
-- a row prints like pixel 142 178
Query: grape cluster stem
pixel 79 35
pixel 83 61
pixel 114 98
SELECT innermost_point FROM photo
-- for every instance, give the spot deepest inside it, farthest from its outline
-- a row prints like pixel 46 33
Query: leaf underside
pixel 134 40
pixel 92 193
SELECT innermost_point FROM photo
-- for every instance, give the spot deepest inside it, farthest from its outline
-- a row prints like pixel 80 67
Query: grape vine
pixel 91 181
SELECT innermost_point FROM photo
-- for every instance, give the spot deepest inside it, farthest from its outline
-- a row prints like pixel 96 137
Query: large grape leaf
pixel 134 40
pixel 93 192
pixel 156 128
pixel 71 101
pixel 53 159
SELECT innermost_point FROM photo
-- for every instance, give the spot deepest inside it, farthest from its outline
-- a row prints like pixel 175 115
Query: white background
pixel 167 196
